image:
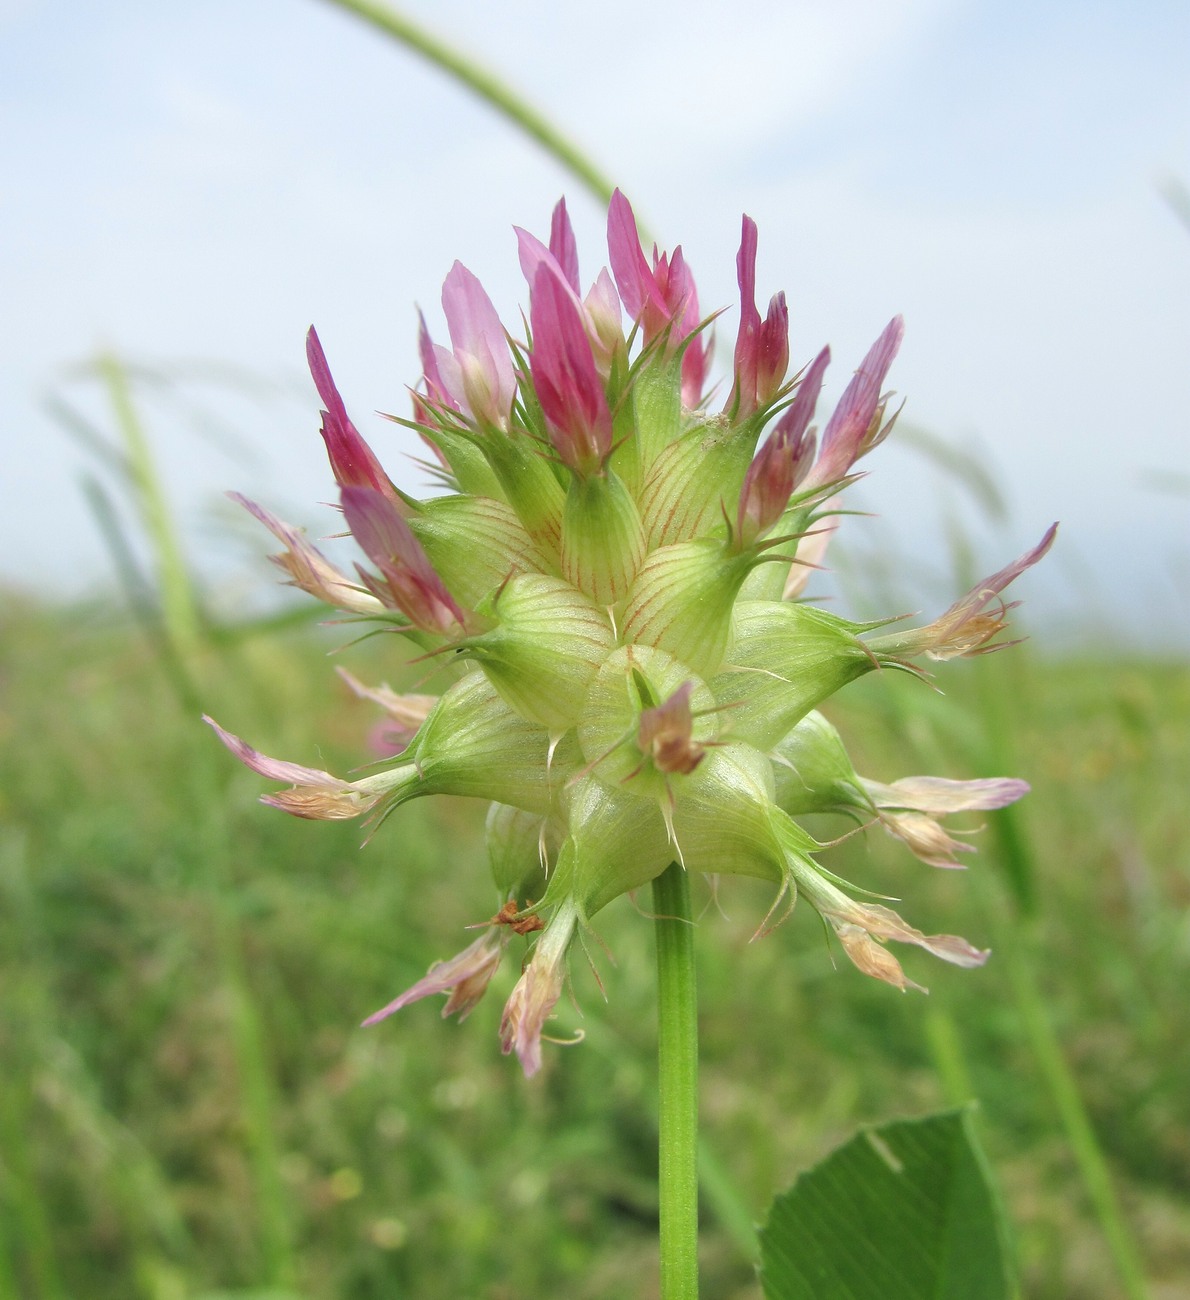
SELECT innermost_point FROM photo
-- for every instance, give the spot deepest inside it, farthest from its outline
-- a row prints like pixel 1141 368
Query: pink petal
pixel 436 389
pixel 634 279
pixel 562 244
pixel 982 592
pixel 480 346
pixel 743 396
pixel 307 567
pixel 938 795
pixel 528 1008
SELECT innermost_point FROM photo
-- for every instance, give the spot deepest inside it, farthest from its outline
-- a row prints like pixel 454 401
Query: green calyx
pixel 682 602
pixel 786 659
pixel 635 678
pixel 474 544
pixel 546 644
pixel 474 744
pixel 603 543
pixel 814 774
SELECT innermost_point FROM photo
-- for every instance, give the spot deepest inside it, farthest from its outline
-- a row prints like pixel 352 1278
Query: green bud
pixel 786 659
pixel 474 544
pixel 545 648
pixel 694 480
pixel 813 772
pixel 602 541
pixel 682 600
pixel 635 678
pixel 519 846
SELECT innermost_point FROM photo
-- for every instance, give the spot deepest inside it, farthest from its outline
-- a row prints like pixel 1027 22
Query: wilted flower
pixel 630 679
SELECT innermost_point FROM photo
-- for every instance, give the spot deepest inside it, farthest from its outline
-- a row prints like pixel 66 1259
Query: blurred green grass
pixel 187 1108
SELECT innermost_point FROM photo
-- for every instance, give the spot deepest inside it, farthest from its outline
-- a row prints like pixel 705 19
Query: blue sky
pixel 199 183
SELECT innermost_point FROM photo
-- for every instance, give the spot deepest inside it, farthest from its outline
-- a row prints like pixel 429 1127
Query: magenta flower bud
pixel 662 298
pixel 352 460
pixel 849 433
pixel 781 463
pixel 762 348
pixel 600 310
pixel 568 385
pixel 768 485
pixel 635 281
pixel 409 581
pixel 773 356
pixel 795 420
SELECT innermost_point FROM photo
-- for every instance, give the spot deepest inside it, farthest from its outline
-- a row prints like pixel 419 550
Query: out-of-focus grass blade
pixel 178 605
pixel 140 595
pixel 956 462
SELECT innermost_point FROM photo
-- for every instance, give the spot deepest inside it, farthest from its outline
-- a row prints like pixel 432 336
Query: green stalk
pixel 677 1071
pixel 488 87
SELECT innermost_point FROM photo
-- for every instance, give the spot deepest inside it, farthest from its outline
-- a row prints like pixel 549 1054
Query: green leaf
pixel 905 1211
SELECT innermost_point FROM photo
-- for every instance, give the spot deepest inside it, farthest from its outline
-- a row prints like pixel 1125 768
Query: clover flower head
pixel 626 673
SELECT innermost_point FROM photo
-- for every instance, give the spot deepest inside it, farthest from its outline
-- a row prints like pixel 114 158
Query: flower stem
pixel 677 1071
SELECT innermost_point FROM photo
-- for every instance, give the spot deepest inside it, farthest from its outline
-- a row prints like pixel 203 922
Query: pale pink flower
pixel 532 1001
pixel 477 376
pixel 968 628
pixel 909 810
pixel 308 568
pixel 315 795
pixel 465 977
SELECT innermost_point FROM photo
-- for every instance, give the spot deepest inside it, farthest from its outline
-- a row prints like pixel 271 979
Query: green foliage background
pixel 188 1110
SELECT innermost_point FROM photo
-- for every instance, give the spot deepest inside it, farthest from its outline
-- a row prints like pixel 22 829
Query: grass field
pixel 187 1108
